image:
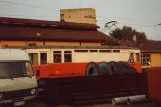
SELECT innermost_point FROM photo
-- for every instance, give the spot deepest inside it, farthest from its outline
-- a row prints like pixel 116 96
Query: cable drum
pixel 125 67
pixel 92 69
pixel 104 69
pixel 115 68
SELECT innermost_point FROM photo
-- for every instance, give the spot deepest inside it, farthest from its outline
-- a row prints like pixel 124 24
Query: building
pixel 150 51
pixel 15 32
pixel 83 15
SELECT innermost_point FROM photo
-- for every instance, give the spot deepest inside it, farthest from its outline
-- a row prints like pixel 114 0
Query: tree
pixel 127 33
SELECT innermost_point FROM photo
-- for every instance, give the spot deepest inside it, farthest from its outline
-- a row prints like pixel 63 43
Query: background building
pixel 16 32
pixel 83 15
pixel 150 51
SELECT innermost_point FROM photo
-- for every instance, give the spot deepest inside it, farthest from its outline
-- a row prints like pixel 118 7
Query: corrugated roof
pixel 51 34
pixel 151 45
pixel 44 23
pixel 129 43
pixel 145 46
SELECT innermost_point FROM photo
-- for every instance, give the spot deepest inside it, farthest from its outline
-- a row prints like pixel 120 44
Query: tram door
pixel 34 58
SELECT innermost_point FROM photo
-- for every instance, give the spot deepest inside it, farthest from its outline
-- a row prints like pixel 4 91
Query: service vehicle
pixel 17 81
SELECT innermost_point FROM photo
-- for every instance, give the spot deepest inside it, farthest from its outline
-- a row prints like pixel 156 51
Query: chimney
pixel 134 38
pixel 62 17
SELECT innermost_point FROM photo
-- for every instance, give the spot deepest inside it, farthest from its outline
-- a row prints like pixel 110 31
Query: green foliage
pixel 126 33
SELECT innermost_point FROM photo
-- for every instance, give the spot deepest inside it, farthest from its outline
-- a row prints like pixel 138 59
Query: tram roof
pixel 80 47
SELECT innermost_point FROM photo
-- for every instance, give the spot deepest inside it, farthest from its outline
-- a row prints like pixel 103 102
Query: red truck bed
pixel 154 83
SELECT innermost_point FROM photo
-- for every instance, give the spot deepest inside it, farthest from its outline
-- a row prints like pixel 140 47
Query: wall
pixel 90 44
pixel 156 59
pixel 50 43
pixel 84 15
pixel 63 43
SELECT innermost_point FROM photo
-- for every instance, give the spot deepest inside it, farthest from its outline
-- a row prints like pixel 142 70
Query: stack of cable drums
pixel 115 68
pixel 109 68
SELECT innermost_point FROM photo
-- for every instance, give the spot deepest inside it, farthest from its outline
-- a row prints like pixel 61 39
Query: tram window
pixel 34 58
pixel 43 58
pixel 80 50
pixel 93 50
pixel 67 56
pixel 105 51
pixel 57 57
pixel 116 51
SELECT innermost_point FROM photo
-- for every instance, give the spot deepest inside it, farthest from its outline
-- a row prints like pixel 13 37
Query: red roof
pixel 146 45
pixel 151 45
pixel 29 29
pixel 44 23
pixel 51 34
pixel 129 43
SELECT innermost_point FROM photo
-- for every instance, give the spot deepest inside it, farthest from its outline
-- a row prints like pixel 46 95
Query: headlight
pixel 1 96
pixel 33 91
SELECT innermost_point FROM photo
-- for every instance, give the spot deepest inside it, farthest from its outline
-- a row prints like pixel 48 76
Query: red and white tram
pixel 61 61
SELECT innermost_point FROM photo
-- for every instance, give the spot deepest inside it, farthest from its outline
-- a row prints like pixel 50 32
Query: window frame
pixel 146 58
pixel 68 52
pixel 59 53
pixel 46 58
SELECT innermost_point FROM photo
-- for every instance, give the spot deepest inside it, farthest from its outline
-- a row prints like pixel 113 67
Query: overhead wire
pixel 127 23
pixel 9 2
pixel 28 16
pixel 129 19
pixel 105 17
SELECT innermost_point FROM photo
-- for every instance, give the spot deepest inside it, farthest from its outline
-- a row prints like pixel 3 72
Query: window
pixel 43 58
pixel 105 51
pixel 137 57
pixel 57 57
pixel 145 59
pixel 29 69
pixel 34 58
pixel 67 56
pixel 16 69
pixel 80 50
pixel 93 50
pixel 116 51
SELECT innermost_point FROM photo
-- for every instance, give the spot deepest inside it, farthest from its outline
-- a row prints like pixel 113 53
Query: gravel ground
pixel 39 104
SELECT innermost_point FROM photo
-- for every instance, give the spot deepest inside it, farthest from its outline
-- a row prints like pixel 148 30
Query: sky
pixel 143 15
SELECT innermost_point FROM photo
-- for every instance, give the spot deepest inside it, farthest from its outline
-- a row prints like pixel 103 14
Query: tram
pixel 62 61
pixel 41 55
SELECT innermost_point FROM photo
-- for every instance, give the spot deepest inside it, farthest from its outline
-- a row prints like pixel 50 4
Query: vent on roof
pixel 38 34
pixel 62 17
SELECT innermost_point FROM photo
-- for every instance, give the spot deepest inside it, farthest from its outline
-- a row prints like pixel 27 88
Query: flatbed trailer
pixel 154 84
